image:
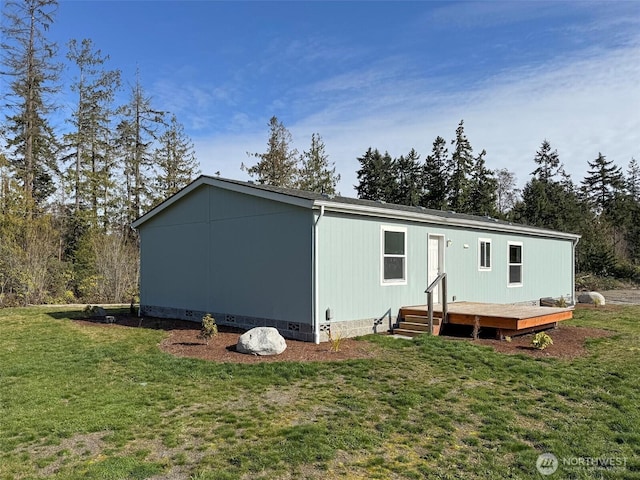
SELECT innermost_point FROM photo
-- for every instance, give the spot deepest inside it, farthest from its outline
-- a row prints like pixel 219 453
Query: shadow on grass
pixel 124 318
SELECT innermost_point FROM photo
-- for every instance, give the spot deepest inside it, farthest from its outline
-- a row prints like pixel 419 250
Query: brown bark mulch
pixel 183 341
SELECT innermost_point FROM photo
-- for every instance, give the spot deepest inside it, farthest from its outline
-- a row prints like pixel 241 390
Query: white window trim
pixel 515 285
pixel 480 267
pixel 383 281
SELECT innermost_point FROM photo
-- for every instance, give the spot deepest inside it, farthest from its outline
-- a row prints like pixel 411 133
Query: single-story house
pixel 257 255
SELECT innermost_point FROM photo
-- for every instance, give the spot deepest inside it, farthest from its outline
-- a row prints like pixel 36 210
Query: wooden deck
pixel 508 320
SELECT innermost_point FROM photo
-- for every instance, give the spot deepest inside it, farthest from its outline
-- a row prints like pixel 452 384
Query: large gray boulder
pixel 593 298
pixel 261 341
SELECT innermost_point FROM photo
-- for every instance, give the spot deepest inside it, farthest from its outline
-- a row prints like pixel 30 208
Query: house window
pixel 394 255
pixel 484 254
pixel 515 264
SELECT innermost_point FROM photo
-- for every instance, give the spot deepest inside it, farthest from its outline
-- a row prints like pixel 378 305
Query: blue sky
pixel 388 75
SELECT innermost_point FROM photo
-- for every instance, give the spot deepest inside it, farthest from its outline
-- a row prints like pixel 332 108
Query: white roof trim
pixel 350 208
pixel 225 185
pixel 441 220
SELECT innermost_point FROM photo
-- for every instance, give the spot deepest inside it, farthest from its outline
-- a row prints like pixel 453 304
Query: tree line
pixel 68 194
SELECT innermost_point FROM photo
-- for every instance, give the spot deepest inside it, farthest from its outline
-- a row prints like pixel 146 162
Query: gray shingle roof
pixel 356 205
pixel 378 204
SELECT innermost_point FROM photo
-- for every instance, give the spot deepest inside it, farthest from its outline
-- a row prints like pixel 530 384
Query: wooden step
pixel 414 325
pixel 420 327
pixel 423 318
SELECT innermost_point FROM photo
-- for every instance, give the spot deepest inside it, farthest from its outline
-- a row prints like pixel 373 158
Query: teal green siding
pixel 349 270
pixel 349 263
pixel 547 267
pixel 220 251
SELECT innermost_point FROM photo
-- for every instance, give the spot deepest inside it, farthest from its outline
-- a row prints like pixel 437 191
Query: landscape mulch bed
pixel 568 342
pixel 183 341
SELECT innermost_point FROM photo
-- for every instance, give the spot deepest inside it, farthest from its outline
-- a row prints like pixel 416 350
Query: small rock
pixel 593 298
pixel 109 319
pixel 261 341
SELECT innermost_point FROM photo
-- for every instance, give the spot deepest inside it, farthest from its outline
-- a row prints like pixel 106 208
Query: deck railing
pixel 440 280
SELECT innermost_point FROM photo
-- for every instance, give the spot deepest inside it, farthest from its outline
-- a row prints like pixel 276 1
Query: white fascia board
pixel 438 220
pixel 225 185
pixel 168 202
pixel 257 192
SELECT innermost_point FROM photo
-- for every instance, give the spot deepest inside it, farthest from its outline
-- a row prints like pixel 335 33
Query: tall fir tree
pixel 136 134
pixel 29 59
pixel 482 192
pixel 175 159
pixel 548 164
pixel 316 173
pixel 460 171
pixel 549 199
pixel 375 176
pixel 278 166
pixel 407 179
pixel 89 143
pixel 601 185
pixel 435 177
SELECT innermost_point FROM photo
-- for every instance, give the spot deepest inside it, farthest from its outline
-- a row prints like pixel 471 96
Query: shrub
pixel 335 341
pixel 561 302
pixel 541 340
pixel 209 328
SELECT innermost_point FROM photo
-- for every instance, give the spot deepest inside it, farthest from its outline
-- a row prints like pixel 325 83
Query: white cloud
pixel 583 104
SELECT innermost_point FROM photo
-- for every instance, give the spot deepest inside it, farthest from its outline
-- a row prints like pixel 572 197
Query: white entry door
pixel 435 260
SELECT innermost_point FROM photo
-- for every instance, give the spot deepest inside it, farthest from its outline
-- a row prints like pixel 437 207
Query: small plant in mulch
pixel 335 341
pixel 209 328
pixel 561 302
pixel 541 340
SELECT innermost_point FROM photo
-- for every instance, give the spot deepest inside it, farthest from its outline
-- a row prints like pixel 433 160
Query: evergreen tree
pixel 316 173
pixel 482 192
pixel 550 205
pixel 603 182
pixel 136 134
pixel 407 184
pixel 435 177
pixel 29 60
pixel 175 159
pixel 277 166
pixel 460 171
pixel 549 199
pixel 549 166
pixel 90 141
pixel 375 176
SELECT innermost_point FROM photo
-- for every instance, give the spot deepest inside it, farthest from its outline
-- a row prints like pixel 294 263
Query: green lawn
pixel 81 401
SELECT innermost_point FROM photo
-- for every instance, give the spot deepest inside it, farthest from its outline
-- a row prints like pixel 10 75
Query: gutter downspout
pixel 573 277
pixel 316 296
